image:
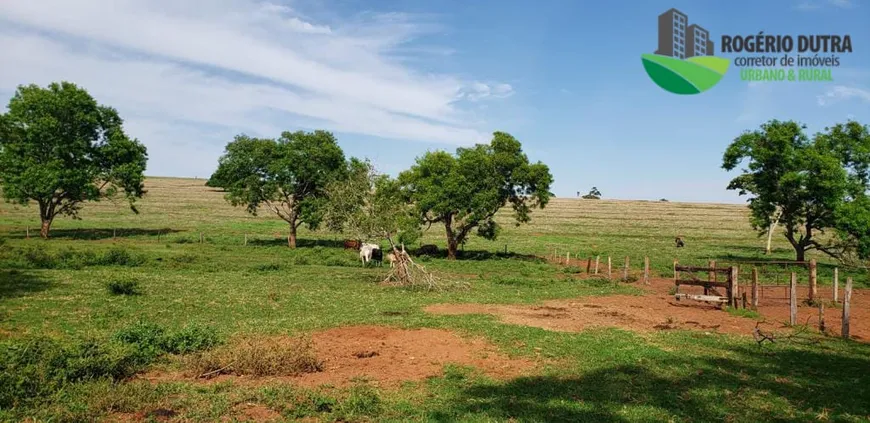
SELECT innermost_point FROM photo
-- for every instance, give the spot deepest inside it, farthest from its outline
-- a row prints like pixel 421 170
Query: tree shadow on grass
pixel 92 234
pixel 481 255
pixel 750 385
pixel 300 243
pixel 15 283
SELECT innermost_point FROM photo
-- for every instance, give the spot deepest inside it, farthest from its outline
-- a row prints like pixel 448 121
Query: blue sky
pixel 394 79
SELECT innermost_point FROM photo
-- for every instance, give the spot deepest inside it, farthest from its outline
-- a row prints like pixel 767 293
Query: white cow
pixel 367 251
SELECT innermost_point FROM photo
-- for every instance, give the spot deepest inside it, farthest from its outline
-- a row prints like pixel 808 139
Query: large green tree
pixel 287 176
pixel 60 149
pixel 812 185
pixel 464 192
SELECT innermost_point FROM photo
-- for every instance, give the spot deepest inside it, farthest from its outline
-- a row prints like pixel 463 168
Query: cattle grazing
pixel 370 252
pixel 352 244
pixel 378 256
pixel 428 249
pixel 392 259
pixel 680 242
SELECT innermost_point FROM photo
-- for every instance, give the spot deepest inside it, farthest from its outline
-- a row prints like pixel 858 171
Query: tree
pixel 465 191
pixel 369 205
pixel 594 194
pixel 288 176
pixel 59 148
pixel 807 185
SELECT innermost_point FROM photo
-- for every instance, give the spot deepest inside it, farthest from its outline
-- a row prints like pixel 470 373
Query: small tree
pixel 594 194
pixel 807 186
pixel 59 148
pixel 465 191
pixel 288 176
pixel 369 205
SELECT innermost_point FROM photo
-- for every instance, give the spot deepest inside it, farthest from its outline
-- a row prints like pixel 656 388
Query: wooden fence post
pixel 755 288
pixel 246 239
pixel 821 317
pixel 792 300
pixel 158 236
pixel 200 237
pixel 28 232
pixel 847 300
pixel 646 270
pixel 625 270
pixel 588 265
pixel 743 299
pixel 711 275
pixel 567 258
pixel 813 282
pixel 836 287
pixel 597 259
pixel 735 287
pixel 609 268
pixel 114 233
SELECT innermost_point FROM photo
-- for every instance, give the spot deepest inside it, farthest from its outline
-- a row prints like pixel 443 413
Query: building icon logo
pixel 684 61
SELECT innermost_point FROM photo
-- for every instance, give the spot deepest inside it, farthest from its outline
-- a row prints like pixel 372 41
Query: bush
pixel 121 257
pixel 191 338
pixel 124 287
pixel 39 367
pixel 153 340
pixel 72 259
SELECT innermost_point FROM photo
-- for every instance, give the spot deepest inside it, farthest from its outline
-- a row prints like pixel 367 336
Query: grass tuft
pixel 124 286
pixel 258 356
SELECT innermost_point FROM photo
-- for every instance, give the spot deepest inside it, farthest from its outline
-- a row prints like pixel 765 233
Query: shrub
pixel 39 367
pixel 191 338
pixel 153 340
pixel 126 286
pixel 72 259
pixel 121 257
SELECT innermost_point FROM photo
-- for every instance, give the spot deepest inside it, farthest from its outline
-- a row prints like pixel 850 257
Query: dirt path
pixel 386 356
pixel 658 310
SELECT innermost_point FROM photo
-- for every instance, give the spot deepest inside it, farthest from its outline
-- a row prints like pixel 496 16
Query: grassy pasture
pixel 62 289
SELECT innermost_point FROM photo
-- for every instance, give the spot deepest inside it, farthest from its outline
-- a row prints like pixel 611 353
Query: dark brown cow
pixel 351 244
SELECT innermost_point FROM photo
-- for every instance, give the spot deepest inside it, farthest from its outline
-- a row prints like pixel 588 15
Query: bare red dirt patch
pixel 658 310
pixel 386 356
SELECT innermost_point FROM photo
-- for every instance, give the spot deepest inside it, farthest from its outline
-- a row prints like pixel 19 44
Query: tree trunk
pixel 291 238
pixel 770 233
pixel 46 226
pixel 800 252
pixel 451 238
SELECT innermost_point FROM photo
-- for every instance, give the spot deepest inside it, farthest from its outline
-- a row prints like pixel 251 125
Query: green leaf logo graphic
pixel 691 76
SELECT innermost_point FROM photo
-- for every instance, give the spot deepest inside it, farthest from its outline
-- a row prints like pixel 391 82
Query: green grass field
pixel 221 288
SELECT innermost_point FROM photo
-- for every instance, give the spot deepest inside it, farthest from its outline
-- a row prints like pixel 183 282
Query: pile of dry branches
pixel 407 273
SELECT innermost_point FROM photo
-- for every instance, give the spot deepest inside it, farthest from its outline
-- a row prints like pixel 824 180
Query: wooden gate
pixel 712 287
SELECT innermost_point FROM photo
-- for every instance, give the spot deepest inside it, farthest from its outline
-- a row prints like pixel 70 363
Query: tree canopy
pixel 812 185
pixel 368 205
pixel 465 191
pixel 287 176
pixel 60 148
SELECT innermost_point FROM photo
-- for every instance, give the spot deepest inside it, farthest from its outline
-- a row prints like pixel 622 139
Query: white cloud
pixel 240 66
pixel 839 93
pixel 818 4
pixel 479 91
